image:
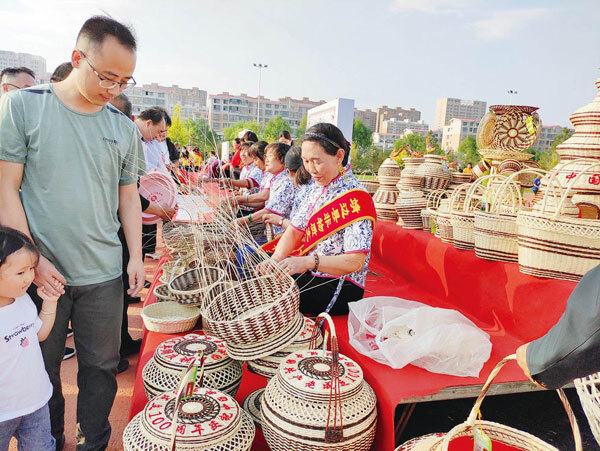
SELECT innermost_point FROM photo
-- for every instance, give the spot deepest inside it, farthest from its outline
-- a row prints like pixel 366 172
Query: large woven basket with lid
pixel 318 400
pixel 206 419
pixel 163 372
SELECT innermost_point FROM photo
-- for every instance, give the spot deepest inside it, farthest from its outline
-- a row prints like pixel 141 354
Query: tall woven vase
pixel 409 179
pixel 498 433
pixel 319 401
pixel 387 193
pixel 433 173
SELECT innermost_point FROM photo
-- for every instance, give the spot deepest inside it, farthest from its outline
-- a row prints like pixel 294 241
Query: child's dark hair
pixel 12 240
pixel 330 138
pixel 280 150
pixel 246 145
pixel 258 150
pixel 250 136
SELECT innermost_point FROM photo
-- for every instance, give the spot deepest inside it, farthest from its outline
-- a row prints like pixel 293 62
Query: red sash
pixel 352 206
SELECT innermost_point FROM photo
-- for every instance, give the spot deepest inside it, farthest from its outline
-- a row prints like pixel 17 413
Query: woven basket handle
pixel 433 198
pixel 472 418
pixel 313 338
pixel 497 199
pixel 180 391
pixel 478 185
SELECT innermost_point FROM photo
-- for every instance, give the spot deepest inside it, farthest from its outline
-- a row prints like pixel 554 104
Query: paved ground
pixel 539 413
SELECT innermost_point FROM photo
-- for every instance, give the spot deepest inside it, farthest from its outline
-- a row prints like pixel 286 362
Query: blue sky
pixel 395 52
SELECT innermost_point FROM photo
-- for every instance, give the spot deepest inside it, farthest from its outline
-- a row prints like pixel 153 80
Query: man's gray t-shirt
pixel 74 164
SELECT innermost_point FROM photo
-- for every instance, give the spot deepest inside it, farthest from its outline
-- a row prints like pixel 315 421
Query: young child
pixel 24 384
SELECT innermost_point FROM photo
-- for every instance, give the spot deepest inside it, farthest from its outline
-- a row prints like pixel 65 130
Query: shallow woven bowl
pixel 253 310
pixel 169 317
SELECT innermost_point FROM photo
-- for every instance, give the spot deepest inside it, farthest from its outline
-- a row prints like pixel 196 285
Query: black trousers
pixel 317 292
pixel 126 340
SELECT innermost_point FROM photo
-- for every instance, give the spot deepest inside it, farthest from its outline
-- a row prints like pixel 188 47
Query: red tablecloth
pixel 512 307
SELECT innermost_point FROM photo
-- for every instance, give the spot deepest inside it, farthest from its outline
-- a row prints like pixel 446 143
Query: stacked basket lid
pixel 163 372
pixel 267 366
pixel 409 206
pixel 256 318
pixel 387 193
pixel 319 401
pixel 208 420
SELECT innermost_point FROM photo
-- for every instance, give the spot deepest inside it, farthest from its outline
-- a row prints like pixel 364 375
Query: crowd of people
pixel 72 242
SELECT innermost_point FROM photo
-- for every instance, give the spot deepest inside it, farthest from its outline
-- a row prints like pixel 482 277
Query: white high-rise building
pixel 192 101
pixel 456 131
pixel 449 108
pixel 36 63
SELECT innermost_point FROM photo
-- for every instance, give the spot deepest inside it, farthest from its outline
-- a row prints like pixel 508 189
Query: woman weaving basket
pixel 335 220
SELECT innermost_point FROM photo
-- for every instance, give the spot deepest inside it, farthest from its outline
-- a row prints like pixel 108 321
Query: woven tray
pixel 169 317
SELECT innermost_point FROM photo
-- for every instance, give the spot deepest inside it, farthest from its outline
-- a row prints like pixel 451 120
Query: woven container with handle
pixel 192 287
pixel 428 213
pixel 162 293
pixel 169 317
pixel 258 317
pixel 588 389
pixel 443 223
pixel 204 419
pixel 556 246
pixel 498 433
pixel 319 401
pixel 163 371
pixel 496 230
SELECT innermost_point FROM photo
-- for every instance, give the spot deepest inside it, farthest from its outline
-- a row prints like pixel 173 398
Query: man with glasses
pixel 13 78
pixel 76 160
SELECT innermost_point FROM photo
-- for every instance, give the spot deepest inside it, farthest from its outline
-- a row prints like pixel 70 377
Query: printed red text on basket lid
pixel 181 350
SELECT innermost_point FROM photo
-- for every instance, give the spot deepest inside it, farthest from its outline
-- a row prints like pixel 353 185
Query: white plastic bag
pixel 397 332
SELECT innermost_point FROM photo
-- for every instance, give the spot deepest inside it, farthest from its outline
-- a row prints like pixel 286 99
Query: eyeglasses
pixel 14 86
pixel 107 83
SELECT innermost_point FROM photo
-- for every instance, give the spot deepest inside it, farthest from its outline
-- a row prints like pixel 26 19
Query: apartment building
pixel 450 108
pixel 226 109
pixel 457 130
pixel 36 63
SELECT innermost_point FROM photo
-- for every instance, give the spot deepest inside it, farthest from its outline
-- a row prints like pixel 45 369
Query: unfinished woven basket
pixel 267 366
pixel 319 401
pixel 192 287
pixel 588 389
pixel 556 246
pixel 498 433
pixel 169 317
pixel 163 371
pixel 254 313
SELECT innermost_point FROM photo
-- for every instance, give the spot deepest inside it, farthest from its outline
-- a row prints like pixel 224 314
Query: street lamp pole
pixel 510 94
pixel 260 68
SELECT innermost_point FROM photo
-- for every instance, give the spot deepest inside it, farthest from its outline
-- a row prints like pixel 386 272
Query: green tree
pixel 416 142
pixel 301 130
pixel 537 154
pixel 550 158
pixel 362 136
pixel 178 132
pixel 202 135
pixel 232 132
pixel 274 127
pixel 467 150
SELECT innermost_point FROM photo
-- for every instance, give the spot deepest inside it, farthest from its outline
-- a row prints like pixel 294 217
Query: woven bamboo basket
pixel 319 401
pixel 409 180
pixel 408 207
pixel 496 228
pixel 385 200
pixel 252 405
pixel 556 246
pixel 443 224
pixel 433 174
pixel 256 318
pixel 169 317
pixel 588 389
pixel 498 433
pixel 162 293
pixel 429 212
pixel 267 366
pixel 163 371
pixel 205 419
pixel 370 185
pixel 389 173
pixel 192 287
pixel 464 201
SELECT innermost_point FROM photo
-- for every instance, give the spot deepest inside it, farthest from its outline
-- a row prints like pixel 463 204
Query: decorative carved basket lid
pixel 177 353
pixel 307 374
pixel 585 142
